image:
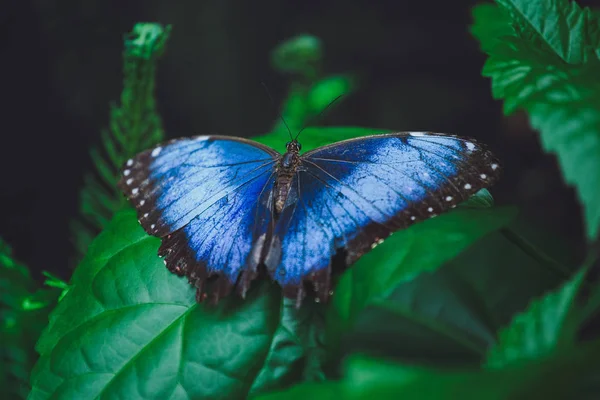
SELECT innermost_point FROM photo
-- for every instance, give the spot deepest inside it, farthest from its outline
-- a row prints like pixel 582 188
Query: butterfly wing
pixel 208 198
pixel 352 194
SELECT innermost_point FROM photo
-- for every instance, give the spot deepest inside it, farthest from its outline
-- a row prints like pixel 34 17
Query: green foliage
pixel 23 314
pixel 134 126
pixel 129 328
pixel 544 58
pixel 406 254
pixel 528 362
pixel 417 317
pixel 549 324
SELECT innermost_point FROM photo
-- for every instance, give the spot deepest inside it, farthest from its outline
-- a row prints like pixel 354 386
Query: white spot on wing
pixel 135 191
pixel 470 146
pixel 413 218
pixel 449 198
pixel 130 162
pixel 129 181
pixel 156 151
pixel 152 226
pixel 468 186
pixel 417 134
pixel 494 167
pixel 430 209
pixel 145 215
pixel 483 176
pixel 127 171
pixel 142 202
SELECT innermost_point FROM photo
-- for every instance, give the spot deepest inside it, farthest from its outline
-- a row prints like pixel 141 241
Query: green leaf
pixel 450 317
pixel 549 324
pixel 557 378
pixel 366 378
pixel 490 26
pixel 435 318
pixel 546 66
pixel 562 25
pixel 129 328
pixel 481 199
pixel 134 126
pixel 573 133
pixel 404 255
pixel 321 391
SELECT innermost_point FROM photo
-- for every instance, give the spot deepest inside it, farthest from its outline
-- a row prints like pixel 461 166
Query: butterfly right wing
pixel 351 195
pixel 208 198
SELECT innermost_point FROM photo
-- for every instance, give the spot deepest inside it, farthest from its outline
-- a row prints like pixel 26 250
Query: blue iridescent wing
pixel 351 195
pixel 209 199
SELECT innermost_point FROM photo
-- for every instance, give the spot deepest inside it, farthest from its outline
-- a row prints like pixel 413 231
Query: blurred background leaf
pixel 23 314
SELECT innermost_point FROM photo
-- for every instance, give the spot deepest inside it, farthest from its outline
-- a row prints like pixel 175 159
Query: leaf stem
pixel 535 252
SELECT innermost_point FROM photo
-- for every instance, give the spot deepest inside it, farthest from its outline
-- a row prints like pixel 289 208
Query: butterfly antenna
pixel 314 117
pixel 277 110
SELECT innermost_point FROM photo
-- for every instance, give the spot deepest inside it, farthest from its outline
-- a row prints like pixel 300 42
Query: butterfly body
pixel 228 208
pixel 286 170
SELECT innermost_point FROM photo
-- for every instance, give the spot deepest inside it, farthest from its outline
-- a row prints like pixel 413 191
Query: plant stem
pixel 535 252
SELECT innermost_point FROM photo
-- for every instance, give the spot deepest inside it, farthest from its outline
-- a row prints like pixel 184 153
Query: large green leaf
pixel 128 328
pixel 562 25
pixel 451 316
pixel 545 64
pixel 407 253
pixel 435 318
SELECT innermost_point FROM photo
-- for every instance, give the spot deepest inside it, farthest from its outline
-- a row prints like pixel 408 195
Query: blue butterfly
pixel 228 208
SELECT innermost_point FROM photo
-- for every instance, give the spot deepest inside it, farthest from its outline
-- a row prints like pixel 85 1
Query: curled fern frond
pixel 134 126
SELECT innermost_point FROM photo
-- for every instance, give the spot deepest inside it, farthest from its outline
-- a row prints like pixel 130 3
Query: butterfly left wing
pixel 352 194
pixel 208 198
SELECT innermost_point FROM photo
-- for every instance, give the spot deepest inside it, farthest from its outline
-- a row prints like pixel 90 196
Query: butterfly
pixel 228 209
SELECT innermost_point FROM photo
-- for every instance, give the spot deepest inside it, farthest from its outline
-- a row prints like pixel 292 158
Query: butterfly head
pixel 293 147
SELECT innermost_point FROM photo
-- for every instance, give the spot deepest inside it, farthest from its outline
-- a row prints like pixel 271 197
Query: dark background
pixel 417 64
